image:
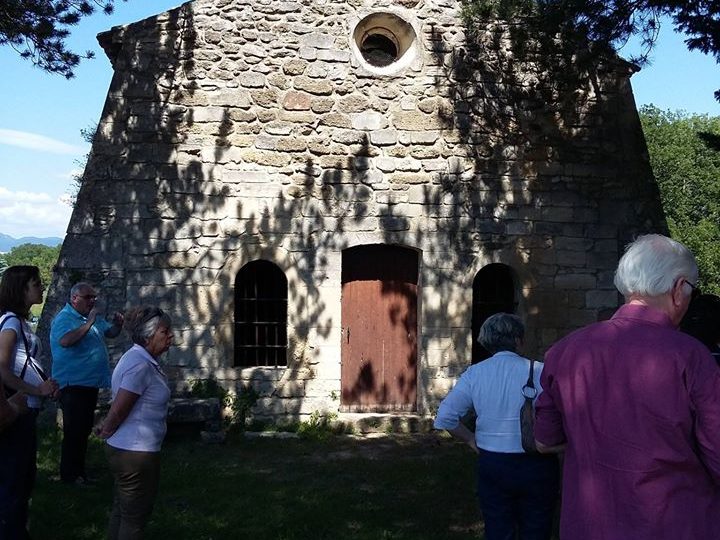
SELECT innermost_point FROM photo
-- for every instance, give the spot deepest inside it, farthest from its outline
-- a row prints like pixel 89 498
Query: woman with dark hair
pixel 517 490
pixel 135 425
pixel 20 288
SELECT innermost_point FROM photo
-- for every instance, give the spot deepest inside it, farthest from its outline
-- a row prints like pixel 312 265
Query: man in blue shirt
pixel 81 367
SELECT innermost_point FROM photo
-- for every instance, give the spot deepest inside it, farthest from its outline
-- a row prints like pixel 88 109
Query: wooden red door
pixel 379 328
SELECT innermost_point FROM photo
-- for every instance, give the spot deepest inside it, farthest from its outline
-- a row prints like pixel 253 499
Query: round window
pixel 385 42
pixel 379 50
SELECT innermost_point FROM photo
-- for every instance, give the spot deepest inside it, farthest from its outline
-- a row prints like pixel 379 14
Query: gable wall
pixel 241 130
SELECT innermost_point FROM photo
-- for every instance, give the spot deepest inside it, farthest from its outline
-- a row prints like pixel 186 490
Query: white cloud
pixel 25 213
pixel 33 141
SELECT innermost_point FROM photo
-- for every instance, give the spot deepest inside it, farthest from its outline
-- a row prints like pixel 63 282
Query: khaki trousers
pixel 137 476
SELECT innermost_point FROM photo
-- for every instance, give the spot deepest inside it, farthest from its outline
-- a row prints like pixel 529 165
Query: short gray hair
pixel 500 332
pixel 142 322
pixel 78 287
pixel 652 264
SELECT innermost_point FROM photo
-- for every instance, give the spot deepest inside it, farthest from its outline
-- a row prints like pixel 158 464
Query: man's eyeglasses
pixel 695 289
pixel 88 296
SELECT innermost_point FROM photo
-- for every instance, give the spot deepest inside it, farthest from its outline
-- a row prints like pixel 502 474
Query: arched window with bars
pixel 261 292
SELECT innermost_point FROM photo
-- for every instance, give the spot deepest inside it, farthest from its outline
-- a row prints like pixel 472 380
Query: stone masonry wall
pixel 246 129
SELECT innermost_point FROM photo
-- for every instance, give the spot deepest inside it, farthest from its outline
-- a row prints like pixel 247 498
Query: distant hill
pixel 7 242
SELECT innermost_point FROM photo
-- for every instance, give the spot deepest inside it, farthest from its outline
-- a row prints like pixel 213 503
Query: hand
pixel 473 445
pixel 101 431
pixel 118 319
pixel 47 388
pixel 18 401
pixel 92 315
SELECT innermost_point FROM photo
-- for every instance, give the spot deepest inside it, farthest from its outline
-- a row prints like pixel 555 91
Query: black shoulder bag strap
pixel 531 380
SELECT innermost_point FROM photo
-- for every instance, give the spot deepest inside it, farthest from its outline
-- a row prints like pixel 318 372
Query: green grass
pixel 404 487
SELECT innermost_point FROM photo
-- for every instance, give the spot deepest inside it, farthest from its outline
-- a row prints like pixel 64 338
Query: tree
pixel 88 134
pixel 686 161
pixel 37 30
pixel 44 257
pixel 609 24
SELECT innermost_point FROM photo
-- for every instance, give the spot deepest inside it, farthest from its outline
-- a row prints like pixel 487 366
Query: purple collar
pixel 643 313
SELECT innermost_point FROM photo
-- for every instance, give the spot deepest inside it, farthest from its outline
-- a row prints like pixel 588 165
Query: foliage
pixel 207 388
pixel 407 487
pixel 240 404
pixel 37 30
pixel 685 157
pixel 318 427
pixel 44 257
pixel 609 24
pixel 88 135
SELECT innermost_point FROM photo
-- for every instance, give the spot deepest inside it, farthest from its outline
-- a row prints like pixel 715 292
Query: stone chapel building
pixel 330 196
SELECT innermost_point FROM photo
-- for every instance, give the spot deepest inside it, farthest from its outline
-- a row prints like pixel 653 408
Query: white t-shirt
pixel 12 323
pixel 144 428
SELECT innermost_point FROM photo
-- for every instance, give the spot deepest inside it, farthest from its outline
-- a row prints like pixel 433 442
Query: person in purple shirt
pixel 636 403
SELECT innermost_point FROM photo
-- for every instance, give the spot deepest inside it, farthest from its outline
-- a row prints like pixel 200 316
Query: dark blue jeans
pixel 18 449
pixel 517 494
pixel 78 406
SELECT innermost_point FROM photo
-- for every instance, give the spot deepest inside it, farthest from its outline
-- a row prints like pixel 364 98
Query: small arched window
pixel 261 292
pixel 493 292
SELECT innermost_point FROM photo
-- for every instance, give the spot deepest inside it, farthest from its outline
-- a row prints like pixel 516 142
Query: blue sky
pixel 42 114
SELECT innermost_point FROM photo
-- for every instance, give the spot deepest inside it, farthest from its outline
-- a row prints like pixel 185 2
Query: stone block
pixel 368 121
pixel 384 137
pixel 576 281
pixel 424 137
pixel 242 116
pixel 322 105
pixel 336 120
pixel 295 66
pixel 292 144
pixel 317 40
pixel 353 103
pixel 207 114
pixel 312 86
pixel 418 121
pixel 261 157
pixel 265 98
pixel 333 55
pixel 278 127
pixel 297 101
pixel 266 142
pixel 308 53
pixel 343 136
pixel 250 79
pixel 230 97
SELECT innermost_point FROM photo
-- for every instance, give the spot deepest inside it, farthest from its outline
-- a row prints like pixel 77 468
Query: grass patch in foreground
pixel 405 487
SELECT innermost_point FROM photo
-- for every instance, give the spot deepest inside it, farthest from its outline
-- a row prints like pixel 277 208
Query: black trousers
pixel 78 406
pixel 517 494
pixel 18 449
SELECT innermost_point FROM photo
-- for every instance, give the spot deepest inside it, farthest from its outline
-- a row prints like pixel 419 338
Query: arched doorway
pixel 493 292
pixel 379 328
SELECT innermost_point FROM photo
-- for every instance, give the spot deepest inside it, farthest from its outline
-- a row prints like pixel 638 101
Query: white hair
pixel 76 289
pixel 652 264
